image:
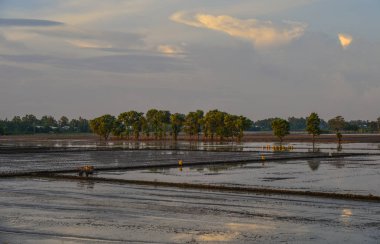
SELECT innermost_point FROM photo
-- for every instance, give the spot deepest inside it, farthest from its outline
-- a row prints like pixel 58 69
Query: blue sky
pixel 256 58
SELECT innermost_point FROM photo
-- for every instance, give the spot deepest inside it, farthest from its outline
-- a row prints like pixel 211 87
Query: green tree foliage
pixel 145 127
pixel 193 123
pixel 164 122
pixel 312 125
pixel 176 120
pixel 79 125
pixel 297 124
pixel 241 124
pixel 153 122
pixel 63 121
pixel 337 124
pixel 103 125
pixel 118 128
pixel 280 128
pixel 132 122
pixel 30 124
pixel 224 125
pixel 211 123
pixel 263 125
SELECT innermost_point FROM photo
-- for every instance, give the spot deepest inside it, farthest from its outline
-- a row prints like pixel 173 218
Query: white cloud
pixel 345 40
pixel 260 33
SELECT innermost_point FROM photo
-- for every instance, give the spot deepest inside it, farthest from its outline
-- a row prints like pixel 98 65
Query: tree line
pixel 299 124
pixel 281 127
pixel 30 124
pixel 158 124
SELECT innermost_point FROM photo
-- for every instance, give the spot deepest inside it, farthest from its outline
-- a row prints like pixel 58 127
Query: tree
pixel 229 125
pixel 176 120
pixel 312 126
pixel 211 123
pixel 280 128
pixel 29 123
pixel 152 122
pixel 163 118
pixel 264 125
pixel 297 124
pixel 242 123
pixel 103 125
pixel 378 124
pixel 193 123
pixel 83 125
pixel 145 126
pixel 337 124
pixel 132 121
pixel 118 128
pixel 63 121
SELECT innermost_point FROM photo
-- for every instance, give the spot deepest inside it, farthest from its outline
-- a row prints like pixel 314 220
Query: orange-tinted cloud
pixel 345 40
pixel 260 33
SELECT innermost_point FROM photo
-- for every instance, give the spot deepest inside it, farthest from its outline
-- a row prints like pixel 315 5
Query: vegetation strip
pixel 223 188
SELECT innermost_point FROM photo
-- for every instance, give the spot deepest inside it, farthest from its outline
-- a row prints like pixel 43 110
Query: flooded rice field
pixel 352 175
pixel 55 211
pixel 83 144
pixel 46 208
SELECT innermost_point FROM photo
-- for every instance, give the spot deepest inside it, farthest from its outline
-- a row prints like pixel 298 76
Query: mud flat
pixel 60 211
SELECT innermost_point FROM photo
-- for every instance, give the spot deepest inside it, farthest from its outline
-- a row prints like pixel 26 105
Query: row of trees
pixel 299 124
pixel 158 123
pixel 30 124
pixel 281 127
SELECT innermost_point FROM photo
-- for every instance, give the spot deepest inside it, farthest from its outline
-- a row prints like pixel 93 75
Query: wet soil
pixel 57 211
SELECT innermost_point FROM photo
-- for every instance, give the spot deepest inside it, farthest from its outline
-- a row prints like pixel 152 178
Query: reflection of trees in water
pixel 85 184
pixel 316 150
pixel 314 164
pixel 339 148
pixel 224 167
pixel 338 162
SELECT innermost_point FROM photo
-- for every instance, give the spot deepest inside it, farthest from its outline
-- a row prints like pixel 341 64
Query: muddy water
pixel 50 211
pixel 354 175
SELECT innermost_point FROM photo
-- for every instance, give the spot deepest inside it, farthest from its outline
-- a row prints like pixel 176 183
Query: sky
pixel 261 59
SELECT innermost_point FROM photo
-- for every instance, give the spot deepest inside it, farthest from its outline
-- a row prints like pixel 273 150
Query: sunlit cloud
pixel 345 40
pixel 88 44
pixel 260 33
pixel 168 49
